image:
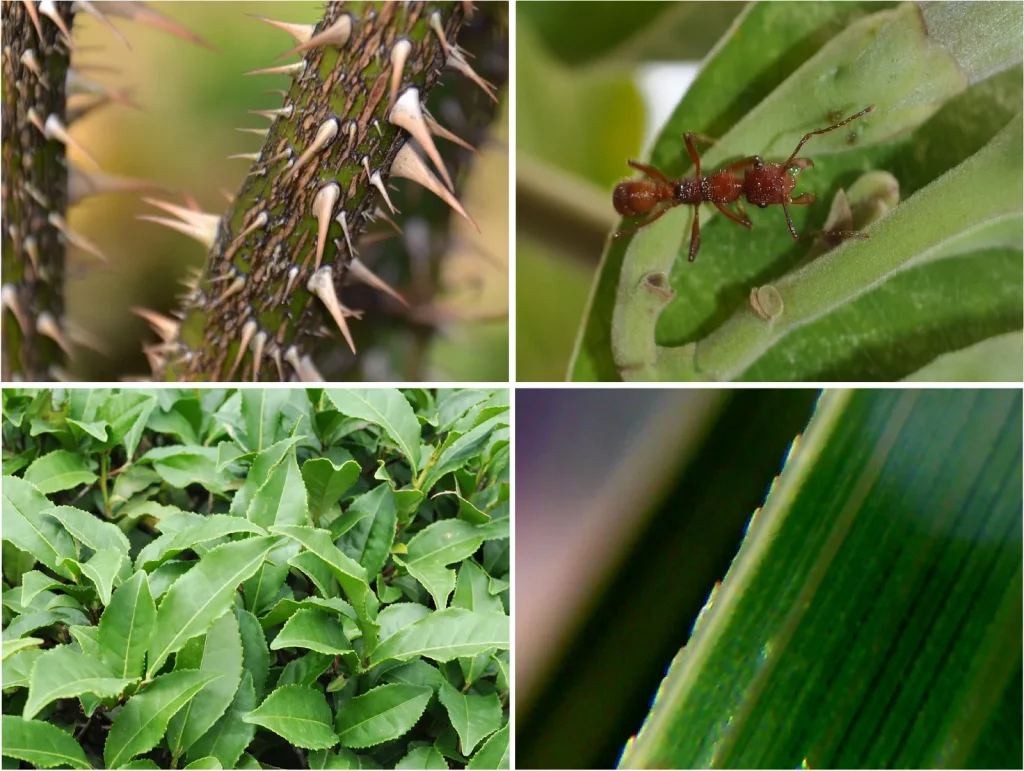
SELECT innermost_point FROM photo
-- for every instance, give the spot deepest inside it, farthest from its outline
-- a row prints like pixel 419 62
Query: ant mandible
pixel 764 184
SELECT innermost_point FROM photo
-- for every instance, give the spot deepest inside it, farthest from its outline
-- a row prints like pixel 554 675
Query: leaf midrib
pixel 381 714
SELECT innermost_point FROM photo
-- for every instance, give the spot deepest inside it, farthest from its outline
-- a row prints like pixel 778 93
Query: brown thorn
pixel 257 353
pixel 166 327
pixel 261 220
pixel 301 32
pixel 286 69
pixel 47 326
pixel 143 14
pixel 409 165
pixel 342 219
pixel 201 235
pixel 324 134
pixel 82 184
pixel 360 272
pixel 399 55
pixel 436 26
pixel 54 129
pixel 335 35
pixel 74 238
pixel 9 297
pixel 323 210
pixel 248 330
pixel 33 14
pixel 457 61
pixel 438 130
pixel 408 114
pixel 322 285
pixel 49 8
pixel 97 14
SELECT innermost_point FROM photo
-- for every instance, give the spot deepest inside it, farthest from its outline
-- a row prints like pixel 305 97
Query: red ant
pixel 764 184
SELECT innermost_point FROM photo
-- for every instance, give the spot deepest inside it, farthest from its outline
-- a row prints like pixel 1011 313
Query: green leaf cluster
pixel 229 578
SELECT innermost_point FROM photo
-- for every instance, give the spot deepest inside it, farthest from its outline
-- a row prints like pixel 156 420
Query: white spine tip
pixel 323 210
pixel 47 326
pixel 361 273
pixel 335 35
pixel 408 114
pixel 399 56
pixel 409 165
pixel 321 283
pixel 328 130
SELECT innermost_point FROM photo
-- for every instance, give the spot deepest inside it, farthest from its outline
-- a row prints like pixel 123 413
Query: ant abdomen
pixel 638 196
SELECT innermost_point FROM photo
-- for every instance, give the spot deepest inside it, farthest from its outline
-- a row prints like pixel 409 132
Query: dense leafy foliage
pixel 256 578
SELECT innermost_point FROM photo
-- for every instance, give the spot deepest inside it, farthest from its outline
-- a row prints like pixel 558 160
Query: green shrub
pixel 248 578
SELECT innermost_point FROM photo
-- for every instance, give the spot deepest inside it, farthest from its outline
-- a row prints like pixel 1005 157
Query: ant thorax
pixel 768 184
pixel 688 191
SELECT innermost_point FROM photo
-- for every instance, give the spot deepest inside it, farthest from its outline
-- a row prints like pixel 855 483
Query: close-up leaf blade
pixel 299 714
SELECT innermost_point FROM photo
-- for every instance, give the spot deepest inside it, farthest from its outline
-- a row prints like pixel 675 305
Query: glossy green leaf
pixel 445 635
pixel 90 529
pixel 369 540
pixel 349 573
pixel 59 470
pixel 472 590
pixel 473 717
pixel 219 651
pixel 387 408
pixel 297 713
pixel 126 413
pixel 455 404
pixel 872 617
pixel 63 672
pixel 142 721
pixel 494 753
pixel 41 744
pixel 209 528
pixel 286 607
pixel 305 670
pixel 423 757
pixel 261 410
pixel 202 595
pixel 25 525
pixel 184 465
pixel 343 758
pixel 126 625
pixel 255 655
pixel 437 545
pixel 30 622
pixel 204 763
pixel 400 615
pixel 326 481
pixel 282 498
pixel 230 735
pixel 17 668
pixel 312 629
pixel 415 672
pixel 381 714
pixel 456 452
pixel 259 472
pixel 106 569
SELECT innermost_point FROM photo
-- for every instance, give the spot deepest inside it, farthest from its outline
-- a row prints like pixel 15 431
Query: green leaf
pixel 299 714
pixel 458 450
pixel 230 735
pixel 143 719
pixel 888 556
pixel 218 651
pixel 445 635
pixel 437 545
pixel 10 647
pixel 381 714
pixel 473 717
pixel 41 744
pixel 423 757
pixel 350 574
pixel 90 529
pixel 327 481
pixel 105 569
pixel 282 498
pixel 95 428
pixel 184 465
pixel 472 590
pixel 17 668
pixel 59 470
pixel 261 410
pixel 127 413
pixel 204 763
pixel 369 540
pixel 209 528
pixel 387 408
pixel 202 595
pixel 305 670
pixel 399 616
pixel 312 629
pixel 126 625
pixel 63 672
pixel 493 753
pixel 455 404
pixel 255 655
pixel 259 472
pixel 25 525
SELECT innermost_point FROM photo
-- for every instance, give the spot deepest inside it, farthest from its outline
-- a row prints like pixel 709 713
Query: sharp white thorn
pixel 285 69
pixel 245 156
pixel 166 327
pixel 323 210
pixel 261 220
pixel 82 184
pixel 256 347
pixel 47 326
pixel 74 238
pixel 377 182
pixel 458 62
pixel 33 14
pixel 9 295
pixel 289 284
pixel 54 129
pixel 360 272
pixel 280 112
pixel 440 131
pixel 303 367
pixel 328 130
pixel 143 14
pixel 301 32
pixel 409 165
pixel 248 331
pixel 335 35
pixel 399 56
pixel 258 132
pixel 201 235
pixel 234 288
pixel 101 17
pixel 49 8
pixel 435 25
pixel 322 285
pixel 408 114
pixel 342 220
pixel 29 60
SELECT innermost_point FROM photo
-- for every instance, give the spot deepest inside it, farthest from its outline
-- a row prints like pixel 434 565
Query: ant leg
pixel 742 163
pixel 828 234
pixel 865 111
pixel 689 137
pixel 651 172
pixel 703 138
pixel 695 233
pixel 735 218
pixel 644 223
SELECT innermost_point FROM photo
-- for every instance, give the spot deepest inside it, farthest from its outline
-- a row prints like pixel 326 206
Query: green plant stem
pixel 104 469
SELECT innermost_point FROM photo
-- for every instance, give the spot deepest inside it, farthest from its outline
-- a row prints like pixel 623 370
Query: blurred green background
pixel 581 114
pixel 193 101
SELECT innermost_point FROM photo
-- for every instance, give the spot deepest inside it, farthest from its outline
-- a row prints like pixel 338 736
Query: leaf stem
pixel 104 470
